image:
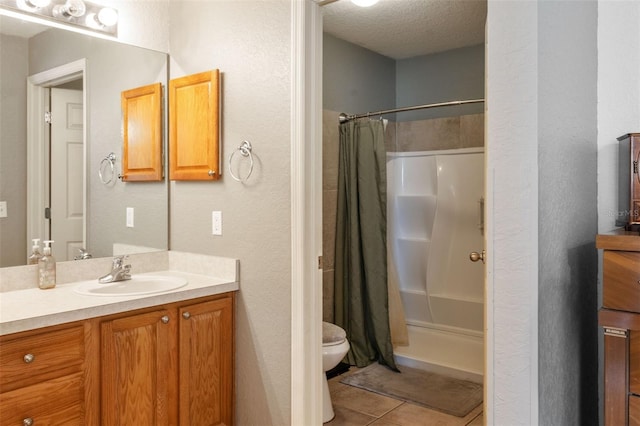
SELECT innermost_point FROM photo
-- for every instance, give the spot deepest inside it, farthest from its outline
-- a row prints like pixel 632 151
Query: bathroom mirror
pixel 117 217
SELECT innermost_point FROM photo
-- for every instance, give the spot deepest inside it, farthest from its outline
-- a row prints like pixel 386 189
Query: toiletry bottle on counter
pixel 47 268
pixel 36 254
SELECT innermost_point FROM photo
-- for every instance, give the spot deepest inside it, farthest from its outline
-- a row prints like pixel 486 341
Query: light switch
pixel 216 220
pixel 3 209
pixel 129 217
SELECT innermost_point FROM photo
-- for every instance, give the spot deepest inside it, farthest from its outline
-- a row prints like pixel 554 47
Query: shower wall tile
pixel 390 136
pixel 330 140
pixel 428 135
pixel 472 130
pixel 327 296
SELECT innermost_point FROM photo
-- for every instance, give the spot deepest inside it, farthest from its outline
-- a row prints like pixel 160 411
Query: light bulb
pixel 32 5
pixel 108 16
pixel 38 3
pixel 105 18
pixel 71 9
pixel 364 3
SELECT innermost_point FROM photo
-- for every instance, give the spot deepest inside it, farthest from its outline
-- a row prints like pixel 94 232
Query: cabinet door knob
pixel 165 319
pixel 28 358
pixel 27 422
pixel 475 256
pixel 186 315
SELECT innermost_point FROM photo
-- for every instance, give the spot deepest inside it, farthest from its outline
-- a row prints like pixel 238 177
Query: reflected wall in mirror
pixel 110 68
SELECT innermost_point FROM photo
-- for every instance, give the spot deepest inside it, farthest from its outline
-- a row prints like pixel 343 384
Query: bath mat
pixel 452 396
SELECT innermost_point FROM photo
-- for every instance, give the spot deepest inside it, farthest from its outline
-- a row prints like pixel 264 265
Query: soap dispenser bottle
pixel 47 268
pixel 36 254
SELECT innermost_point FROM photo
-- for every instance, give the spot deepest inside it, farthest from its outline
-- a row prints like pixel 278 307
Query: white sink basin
pixel 137 285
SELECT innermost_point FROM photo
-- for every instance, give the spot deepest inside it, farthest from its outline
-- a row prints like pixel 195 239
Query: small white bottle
pixel 47 268
pixel 36 254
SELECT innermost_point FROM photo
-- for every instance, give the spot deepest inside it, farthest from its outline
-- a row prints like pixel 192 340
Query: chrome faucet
pixel 82 255
pixel 119 271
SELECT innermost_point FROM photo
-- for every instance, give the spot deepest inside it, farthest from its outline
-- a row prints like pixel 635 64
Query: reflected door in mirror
pixel 67 152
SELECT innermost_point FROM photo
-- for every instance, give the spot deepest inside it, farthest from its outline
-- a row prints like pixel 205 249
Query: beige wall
pixel 13 149
pixel 464 131
pixel 249 41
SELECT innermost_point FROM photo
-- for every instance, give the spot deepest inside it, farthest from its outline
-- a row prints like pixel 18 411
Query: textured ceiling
pixel 398 29
pixel 403 29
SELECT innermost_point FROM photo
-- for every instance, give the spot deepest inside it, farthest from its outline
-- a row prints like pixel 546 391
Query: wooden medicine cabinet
pixel 194 145
pixel 142 133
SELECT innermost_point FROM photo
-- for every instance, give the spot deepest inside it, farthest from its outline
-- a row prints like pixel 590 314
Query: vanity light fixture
pixel 31 5
pixel 106 17
pixel 80 13
pixel 364 3
pixel 71 9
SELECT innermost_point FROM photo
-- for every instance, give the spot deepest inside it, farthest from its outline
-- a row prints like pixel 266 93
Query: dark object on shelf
pixel 628 180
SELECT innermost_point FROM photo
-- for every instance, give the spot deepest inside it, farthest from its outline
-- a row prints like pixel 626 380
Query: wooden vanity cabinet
pixel 137 373
pixel 169 366
pixel 42 376
pixel 206 345
pixel 165 365
pixel 620 320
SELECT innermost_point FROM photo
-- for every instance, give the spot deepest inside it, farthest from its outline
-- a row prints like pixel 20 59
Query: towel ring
pixel 245 150
pixel 111 160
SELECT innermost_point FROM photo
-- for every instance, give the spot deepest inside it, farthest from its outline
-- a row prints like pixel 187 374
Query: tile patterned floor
pixel 358 407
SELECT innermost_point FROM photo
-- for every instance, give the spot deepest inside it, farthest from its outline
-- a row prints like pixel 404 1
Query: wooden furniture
pixel 620 319
pixel 142 133
pixel 629 179
pixel 42 376
pixel 165 365
pixel 194 145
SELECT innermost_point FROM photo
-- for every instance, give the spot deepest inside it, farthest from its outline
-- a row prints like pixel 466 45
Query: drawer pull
pixel 186 315
pixel 27 422
pixel 28 358
pixel 165 319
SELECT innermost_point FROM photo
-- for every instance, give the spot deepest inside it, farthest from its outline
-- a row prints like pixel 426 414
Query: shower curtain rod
pixel 347 117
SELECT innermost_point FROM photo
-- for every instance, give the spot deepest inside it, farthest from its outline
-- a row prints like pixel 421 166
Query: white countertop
pixel 33 308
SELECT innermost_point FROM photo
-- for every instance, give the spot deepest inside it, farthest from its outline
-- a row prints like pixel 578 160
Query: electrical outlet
pixel 216 223
pixel 3 209
pixel 129 217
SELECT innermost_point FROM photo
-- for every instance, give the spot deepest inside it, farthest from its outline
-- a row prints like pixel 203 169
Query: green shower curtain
pixel 360 280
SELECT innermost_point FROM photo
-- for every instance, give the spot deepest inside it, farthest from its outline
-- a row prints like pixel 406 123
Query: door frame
pixel 306 213
pixel 511 272
pixel 38 145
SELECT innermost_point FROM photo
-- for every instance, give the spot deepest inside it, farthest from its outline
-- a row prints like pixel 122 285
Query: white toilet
pixel 334 347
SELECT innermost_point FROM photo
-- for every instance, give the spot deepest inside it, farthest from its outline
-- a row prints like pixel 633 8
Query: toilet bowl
pixel 334 347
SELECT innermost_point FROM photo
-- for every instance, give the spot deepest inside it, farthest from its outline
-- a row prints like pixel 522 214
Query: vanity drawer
pixel 30 358
pixel 621 288
pixel 634 410
pixel 54 402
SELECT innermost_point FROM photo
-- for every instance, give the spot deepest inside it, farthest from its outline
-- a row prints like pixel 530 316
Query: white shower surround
pixel 434 209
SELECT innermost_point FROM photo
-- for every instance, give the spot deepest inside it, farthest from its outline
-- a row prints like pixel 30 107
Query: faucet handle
pixel 82 254
pixel 119 260
pixel 126 272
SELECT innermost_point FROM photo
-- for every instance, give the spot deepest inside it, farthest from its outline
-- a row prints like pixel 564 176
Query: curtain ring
pixel 111 159
pixel 245 150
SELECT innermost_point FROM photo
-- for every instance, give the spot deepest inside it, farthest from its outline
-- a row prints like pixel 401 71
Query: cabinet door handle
pixel 28 358
pixel 186 315
pixel 27 422
pixel 165 319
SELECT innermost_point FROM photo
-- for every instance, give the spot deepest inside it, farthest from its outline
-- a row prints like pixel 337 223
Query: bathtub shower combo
pixel 435 208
